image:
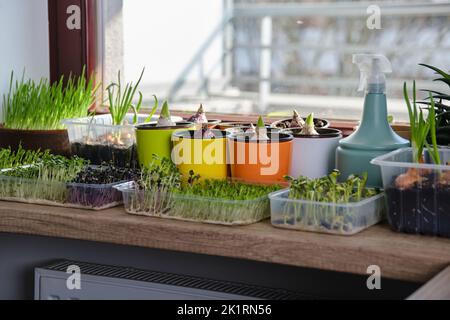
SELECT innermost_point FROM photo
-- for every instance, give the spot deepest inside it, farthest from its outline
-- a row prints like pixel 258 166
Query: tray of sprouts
pixel 159 192
pixel 325 205
pixel 63 182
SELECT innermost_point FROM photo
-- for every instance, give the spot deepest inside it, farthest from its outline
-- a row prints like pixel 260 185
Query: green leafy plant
pixel 31 105
pixel 222 202
pixel 159 192
pixel 324 204
pixel 151 193
pixel 50 172
pixel 441 106
pixel 12 159
pixel 329 190
pixel 420 127
pixel 121 100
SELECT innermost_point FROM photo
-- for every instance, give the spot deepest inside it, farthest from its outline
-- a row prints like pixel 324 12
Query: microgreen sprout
pixel 159 192
pixel 12 159
pixel 319 205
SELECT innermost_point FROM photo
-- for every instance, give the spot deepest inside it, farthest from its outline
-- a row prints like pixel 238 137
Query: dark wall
pixel 19 255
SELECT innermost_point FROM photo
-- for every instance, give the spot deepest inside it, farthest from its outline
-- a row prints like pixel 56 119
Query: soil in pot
pixel 423 209
pixel 229 125
pixel 286 123
pixel 120 155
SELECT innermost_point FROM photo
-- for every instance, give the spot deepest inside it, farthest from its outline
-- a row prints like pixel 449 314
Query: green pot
pixel 156 141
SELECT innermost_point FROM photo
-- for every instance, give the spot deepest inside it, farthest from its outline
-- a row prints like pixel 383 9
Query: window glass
pixel 251 56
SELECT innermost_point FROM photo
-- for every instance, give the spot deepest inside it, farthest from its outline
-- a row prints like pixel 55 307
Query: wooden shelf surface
pixel 400 256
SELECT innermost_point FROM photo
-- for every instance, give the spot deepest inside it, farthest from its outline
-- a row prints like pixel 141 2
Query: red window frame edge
pixel 72 50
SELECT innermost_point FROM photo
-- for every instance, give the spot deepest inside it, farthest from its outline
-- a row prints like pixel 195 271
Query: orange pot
pixel 260 161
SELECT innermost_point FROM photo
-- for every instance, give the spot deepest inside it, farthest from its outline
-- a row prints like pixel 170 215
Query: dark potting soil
pixel 89 188
pixel 420 210
pixel 106 174
pixel 97 154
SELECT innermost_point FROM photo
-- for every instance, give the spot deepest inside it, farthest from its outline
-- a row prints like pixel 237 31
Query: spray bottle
pixel 375 136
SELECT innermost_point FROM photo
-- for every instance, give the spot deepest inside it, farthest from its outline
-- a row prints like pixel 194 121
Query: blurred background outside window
pixel 260 56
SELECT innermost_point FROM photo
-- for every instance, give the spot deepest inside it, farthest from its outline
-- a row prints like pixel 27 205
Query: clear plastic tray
pixel 196 209
pixel 97 140
pixel 425 207
pixel 69 195
pixel 341 219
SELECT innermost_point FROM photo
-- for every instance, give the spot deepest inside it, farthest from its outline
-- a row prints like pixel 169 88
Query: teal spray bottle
pixel 374 136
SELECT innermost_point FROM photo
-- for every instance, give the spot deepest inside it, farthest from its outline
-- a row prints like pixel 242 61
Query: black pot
pixel 56 141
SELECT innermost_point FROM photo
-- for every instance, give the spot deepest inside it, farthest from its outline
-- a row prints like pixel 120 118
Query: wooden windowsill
pixel 400 256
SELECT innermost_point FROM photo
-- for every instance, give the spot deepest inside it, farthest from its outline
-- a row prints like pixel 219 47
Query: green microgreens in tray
pixel 225 189
pixel 31 105
pixel 153 188
pixel 56 180
pixel 328 189
pixel 159 192
pixel 323 203
pixel 43 180
pixel 49 168
pixel 12 159
pixel 222 202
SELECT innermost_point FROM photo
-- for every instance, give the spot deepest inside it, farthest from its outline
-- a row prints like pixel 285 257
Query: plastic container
pixel 69 195
pixel 341 219
pixel 425 207
pixel 97 140
pixel 195 209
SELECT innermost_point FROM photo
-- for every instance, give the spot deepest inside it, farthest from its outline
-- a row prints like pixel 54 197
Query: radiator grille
pixel 177 280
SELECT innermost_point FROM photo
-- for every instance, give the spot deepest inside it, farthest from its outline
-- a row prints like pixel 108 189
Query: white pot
pixel 315 156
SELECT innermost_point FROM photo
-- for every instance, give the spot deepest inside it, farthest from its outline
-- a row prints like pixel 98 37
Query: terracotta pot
pixel 260 161
pixel 57 141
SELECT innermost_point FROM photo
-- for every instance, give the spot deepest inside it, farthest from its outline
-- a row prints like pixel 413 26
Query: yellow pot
pixel 205 157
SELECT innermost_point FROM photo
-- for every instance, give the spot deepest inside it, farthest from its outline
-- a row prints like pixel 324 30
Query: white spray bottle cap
pixel 373 69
